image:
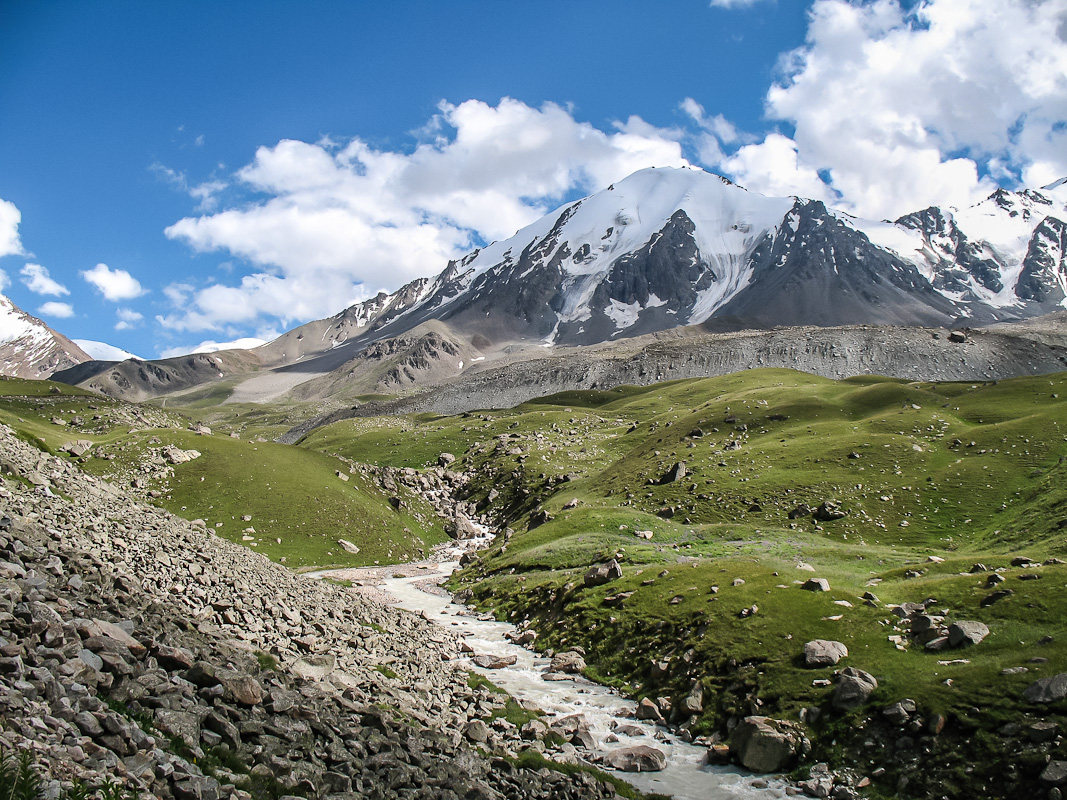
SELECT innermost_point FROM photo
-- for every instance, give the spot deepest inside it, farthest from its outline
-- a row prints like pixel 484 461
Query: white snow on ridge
pixel 15 324
pixel 102 351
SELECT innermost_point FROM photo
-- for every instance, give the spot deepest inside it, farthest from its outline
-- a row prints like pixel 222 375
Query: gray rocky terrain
pixel 137 648
pixel 925 354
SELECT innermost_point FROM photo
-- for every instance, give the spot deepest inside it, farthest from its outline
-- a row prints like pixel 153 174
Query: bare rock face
pixel 640 758
pixel 762 744
pixel 823 653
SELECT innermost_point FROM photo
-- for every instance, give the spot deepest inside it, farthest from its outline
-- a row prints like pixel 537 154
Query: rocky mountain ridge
pixel 912 353
pixel 31 349
pixel 660 250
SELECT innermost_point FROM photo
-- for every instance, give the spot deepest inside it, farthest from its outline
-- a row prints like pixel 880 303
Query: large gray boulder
pixel 599 574
pixel 762 744
pixel 569 662
pixel 823 653
pixel 1047 690
pixel 460 527
pixel 640 758
pixel 966 632
pixel 854 687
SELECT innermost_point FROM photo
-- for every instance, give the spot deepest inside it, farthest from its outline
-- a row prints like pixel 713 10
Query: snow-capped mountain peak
pixel 29 348
pixel 668 247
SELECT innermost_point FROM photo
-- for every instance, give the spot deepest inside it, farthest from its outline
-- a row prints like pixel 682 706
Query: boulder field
pixel 139 650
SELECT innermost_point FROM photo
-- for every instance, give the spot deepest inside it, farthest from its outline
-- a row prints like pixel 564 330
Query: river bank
pixel 569 703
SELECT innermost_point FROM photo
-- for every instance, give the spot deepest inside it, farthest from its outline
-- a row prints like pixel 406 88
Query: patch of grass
pixel 298 505
pixel 266 661
pixel 533 760
pixel 475 680
pixel 386 671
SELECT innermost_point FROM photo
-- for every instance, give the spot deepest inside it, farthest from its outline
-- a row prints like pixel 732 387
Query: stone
pixel 907 610
pixel 1054 774
pixel 476 731
pixel 244 689
pixel 348 547
pixel 675 473
pixel 98 627
pixel 1047 690
pixel 648 710
pixel 762 744
pixel 461 528
pixel 315 667
pixel 487 661
pixel 1044 731
pixel 202 674
pixel 569 662
pixel 823 653
pixel 829 511
pixel 816 585
pixel 640 758
pixel 600 574
pixel 694 701
pixel 854 687
pixel 899 713
pixel 173 658
pixel 966 632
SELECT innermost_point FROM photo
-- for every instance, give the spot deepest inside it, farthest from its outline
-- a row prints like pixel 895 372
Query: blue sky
pixel 180 173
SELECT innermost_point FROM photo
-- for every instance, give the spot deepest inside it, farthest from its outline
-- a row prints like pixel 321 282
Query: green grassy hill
pixel 932 479
pixel 286 502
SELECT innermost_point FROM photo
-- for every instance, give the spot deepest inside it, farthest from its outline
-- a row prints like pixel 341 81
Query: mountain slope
pixel 669 248
pixel 29 348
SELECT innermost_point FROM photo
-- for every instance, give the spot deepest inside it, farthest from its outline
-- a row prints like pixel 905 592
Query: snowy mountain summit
pixel 29 348
pixel 671 247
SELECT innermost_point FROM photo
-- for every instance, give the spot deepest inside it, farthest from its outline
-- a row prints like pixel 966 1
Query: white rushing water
pixel 687 776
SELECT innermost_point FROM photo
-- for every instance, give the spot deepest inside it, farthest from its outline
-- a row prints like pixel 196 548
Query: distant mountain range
pixel 668 248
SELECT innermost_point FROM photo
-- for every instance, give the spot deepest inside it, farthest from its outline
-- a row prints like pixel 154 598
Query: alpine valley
pixel 790 481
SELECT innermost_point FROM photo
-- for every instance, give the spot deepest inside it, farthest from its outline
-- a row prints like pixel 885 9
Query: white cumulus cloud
pixel 127 319
pixel 10 217
pixel 342 220
pixel 903 108
pixel 56 309
pixel 36 279
pixel 113 284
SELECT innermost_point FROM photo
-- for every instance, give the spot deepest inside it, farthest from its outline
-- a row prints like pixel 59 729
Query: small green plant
pixel 18 779
pixel 476 680
pixel 386 671
pixel 266 661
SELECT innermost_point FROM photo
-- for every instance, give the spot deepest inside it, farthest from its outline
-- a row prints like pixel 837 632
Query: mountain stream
pixel 687 776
